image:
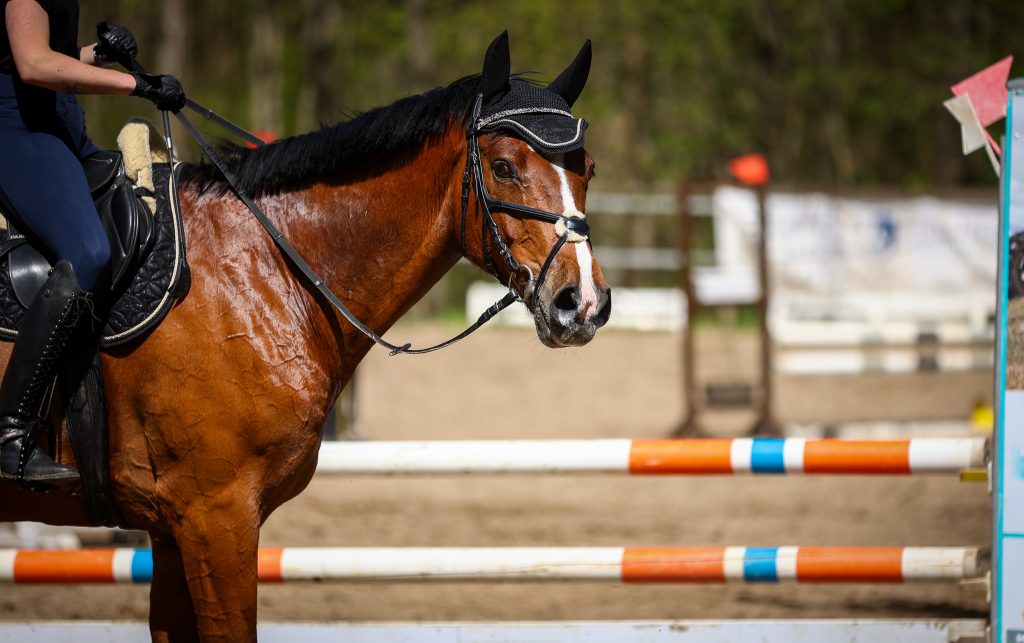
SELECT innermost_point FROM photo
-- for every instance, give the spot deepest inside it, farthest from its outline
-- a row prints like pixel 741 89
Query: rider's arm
pixel 28 29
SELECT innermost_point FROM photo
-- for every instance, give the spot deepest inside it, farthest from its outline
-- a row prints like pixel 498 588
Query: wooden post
pixel 765 424
pixel 690 426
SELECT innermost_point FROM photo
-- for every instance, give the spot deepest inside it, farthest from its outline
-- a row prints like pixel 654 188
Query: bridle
pixel 574 229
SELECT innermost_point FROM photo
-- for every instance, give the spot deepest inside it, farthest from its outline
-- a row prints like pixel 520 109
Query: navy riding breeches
pixel 42 139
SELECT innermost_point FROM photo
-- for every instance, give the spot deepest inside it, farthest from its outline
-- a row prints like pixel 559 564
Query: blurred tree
pixel 265 49
pixel 837 94
pixel 421 49
pixel 319 93
pixel 172 43
pixel 174 38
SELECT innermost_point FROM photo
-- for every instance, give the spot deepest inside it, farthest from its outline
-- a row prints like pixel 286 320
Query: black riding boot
pixel 42 336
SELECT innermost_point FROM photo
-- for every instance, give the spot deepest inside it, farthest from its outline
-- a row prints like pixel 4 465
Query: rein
pixel 571 225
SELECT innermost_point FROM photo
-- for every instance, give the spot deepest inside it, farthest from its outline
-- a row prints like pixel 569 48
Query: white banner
pixel 829 246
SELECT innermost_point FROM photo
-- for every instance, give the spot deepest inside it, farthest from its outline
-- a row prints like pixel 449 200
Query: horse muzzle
pixel 565 318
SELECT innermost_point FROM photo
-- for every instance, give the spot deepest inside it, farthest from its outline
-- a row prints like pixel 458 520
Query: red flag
pixel 987 91
pixel 751 169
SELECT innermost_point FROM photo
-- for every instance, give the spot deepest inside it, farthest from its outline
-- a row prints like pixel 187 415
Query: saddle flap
pixel 127 221
pixel 147 227
pixel 28 272
pixel 101 169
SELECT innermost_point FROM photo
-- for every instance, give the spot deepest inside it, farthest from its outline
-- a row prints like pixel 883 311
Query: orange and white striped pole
pixel 768 456
pixel 617 564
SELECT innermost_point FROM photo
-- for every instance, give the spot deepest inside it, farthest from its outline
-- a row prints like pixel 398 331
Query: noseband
pixel 572 229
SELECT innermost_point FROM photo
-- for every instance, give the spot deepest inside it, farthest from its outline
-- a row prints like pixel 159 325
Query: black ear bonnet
pixel 538 115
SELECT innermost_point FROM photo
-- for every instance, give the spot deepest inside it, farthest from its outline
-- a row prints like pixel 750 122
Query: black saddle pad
pixel 161 279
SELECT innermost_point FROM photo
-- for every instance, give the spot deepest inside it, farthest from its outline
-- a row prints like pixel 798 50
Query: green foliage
pixel 837 94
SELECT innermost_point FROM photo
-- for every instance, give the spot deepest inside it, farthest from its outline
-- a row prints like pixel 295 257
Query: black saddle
pixel 148 272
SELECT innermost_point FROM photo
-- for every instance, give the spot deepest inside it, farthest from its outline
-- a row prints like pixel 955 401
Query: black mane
pixel 372 135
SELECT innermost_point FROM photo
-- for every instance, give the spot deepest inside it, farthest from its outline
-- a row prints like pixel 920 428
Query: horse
pixel 216 418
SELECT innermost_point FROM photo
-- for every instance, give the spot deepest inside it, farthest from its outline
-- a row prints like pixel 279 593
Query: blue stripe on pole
pixel 767 455
pixel 142 566
pixel 760 565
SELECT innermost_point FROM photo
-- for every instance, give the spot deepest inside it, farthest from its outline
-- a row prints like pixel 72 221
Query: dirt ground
pixel 502 383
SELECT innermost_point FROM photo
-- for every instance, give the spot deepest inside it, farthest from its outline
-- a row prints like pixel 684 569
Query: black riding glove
pixel 114 44
pixel 162 89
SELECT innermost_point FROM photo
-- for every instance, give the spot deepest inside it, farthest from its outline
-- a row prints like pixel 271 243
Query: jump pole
pixel 762 631
pixel 765 456
pixel 613 564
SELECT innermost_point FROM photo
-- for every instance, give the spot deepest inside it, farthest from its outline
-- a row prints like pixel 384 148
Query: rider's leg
pixel 44 181
pixel 41 175
pixel 42 336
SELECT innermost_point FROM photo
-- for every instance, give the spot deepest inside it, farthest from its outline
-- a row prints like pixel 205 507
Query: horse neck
pixel 381 240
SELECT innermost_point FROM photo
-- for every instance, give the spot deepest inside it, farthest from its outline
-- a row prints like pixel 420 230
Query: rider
pixel 42 143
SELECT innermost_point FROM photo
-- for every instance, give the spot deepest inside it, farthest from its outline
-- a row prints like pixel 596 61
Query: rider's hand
pixel 114 44
pixel 162 89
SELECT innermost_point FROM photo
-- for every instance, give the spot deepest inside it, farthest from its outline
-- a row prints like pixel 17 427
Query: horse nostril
pixel 605 313
pixel 568 299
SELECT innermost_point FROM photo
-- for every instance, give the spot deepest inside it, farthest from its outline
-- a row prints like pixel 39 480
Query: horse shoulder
pixel 230 384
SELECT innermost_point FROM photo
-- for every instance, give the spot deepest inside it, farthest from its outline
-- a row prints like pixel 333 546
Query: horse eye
pixel 503 169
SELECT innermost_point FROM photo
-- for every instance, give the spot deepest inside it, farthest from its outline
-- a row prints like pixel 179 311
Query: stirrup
pixel 49 471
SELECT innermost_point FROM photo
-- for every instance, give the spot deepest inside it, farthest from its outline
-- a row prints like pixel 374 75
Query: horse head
pixel 529 170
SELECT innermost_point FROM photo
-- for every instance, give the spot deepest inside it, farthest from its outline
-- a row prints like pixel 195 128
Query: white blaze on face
pixel 588 290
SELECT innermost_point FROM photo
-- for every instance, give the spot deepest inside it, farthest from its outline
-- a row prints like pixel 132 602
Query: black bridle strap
pixel 465 206
pixel 473 168
pixel 547 262
pixel 525 211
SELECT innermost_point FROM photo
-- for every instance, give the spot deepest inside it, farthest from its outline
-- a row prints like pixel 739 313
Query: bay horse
pixel 216 417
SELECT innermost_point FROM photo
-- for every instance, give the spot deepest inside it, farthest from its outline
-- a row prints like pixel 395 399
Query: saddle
pixel 137 202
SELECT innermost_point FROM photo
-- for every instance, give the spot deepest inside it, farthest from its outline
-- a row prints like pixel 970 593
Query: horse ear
pixel 569 84
pixel 497 67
